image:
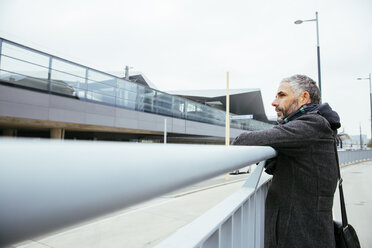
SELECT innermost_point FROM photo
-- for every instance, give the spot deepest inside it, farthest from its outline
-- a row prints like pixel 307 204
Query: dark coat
pixel 298 211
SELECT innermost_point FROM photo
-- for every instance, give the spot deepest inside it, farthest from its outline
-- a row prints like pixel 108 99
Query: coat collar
pixel 301 111
pixel 322 109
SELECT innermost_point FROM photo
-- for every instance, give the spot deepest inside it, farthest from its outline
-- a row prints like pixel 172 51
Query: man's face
pixel 285 102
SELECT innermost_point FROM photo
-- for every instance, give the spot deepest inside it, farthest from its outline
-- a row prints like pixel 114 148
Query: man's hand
pixel 270 166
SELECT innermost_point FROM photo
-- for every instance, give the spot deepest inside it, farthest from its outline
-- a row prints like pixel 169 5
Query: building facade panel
pixel 148 125
pixel 204 129
pixel 21 110
pixel 63 115
pixel 126 123
pixel 158 123
pixel 17 95
pixel 100 109
pixel 125 118
pixel 179 126
pixel 99 119
pixel 60 102
pixel 126 113
pixel 147 117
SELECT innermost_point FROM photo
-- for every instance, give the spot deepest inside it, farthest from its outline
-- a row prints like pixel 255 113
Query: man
pixel 298 211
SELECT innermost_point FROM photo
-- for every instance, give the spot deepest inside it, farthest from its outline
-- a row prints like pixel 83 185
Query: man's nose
pixel 275 103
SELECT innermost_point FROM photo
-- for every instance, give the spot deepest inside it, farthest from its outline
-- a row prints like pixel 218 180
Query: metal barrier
pixel 238 221
pixel 49 184
pixel 353 156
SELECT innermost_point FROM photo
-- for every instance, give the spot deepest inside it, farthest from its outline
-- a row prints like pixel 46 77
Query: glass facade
pixel 26 67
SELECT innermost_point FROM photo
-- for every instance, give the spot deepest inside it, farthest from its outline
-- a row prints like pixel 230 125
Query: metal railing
pixel 238 221
pixel 353 156
pixel 46 184
pixel 25 67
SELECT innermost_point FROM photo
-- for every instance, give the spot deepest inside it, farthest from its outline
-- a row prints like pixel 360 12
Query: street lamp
pixel 318 48
pixel 370 96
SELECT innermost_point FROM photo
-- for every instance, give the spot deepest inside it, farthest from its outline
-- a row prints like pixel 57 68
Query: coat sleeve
pixel 298 133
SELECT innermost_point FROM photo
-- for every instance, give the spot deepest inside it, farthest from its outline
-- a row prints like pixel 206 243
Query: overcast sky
pixel 187 44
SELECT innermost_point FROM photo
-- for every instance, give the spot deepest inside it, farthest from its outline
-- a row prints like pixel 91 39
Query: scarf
pixel 322 109
pixel 301 111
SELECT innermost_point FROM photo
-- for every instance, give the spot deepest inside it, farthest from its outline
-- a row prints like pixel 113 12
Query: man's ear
pixel 304 98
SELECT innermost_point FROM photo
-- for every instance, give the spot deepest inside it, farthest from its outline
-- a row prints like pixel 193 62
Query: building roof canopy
pixel 242 101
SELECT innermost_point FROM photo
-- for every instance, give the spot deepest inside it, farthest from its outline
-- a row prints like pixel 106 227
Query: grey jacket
pixel 298 211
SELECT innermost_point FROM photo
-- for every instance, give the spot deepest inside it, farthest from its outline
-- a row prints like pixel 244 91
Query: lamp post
pixel 370 97
pixel 318 48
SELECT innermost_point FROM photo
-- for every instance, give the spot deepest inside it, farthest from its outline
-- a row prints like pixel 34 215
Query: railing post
pixel 255 176
pixel 86 84
pixel 50 74
pixel 1 51
pixel 165 131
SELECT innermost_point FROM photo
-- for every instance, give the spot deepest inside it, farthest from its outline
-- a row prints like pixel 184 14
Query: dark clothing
pixel 298 211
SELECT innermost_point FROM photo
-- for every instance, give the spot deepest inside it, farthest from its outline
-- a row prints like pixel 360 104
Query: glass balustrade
pixel 25 67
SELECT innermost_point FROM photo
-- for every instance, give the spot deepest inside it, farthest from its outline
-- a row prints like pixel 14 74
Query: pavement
pixel 357 187
pixel 147 224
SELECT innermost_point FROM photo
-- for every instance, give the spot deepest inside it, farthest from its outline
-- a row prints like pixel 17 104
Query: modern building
pixel 42 95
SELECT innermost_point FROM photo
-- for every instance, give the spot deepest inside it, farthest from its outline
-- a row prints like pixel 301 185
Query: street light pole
pixel 317 48
pixel 318 54
pixel 370 97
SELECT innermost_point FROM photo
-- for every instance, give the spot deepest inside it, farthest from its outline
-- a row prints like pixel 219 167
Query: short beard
pixel 284 113
pixel 281 117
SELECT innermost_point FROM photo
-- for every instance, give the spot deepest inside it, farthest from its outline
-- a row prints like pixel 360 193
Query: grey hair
pixel 301 83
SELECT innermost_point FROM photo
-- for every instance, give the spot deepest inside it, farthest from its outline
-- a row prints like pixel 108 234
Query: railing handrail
pixel 48 184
